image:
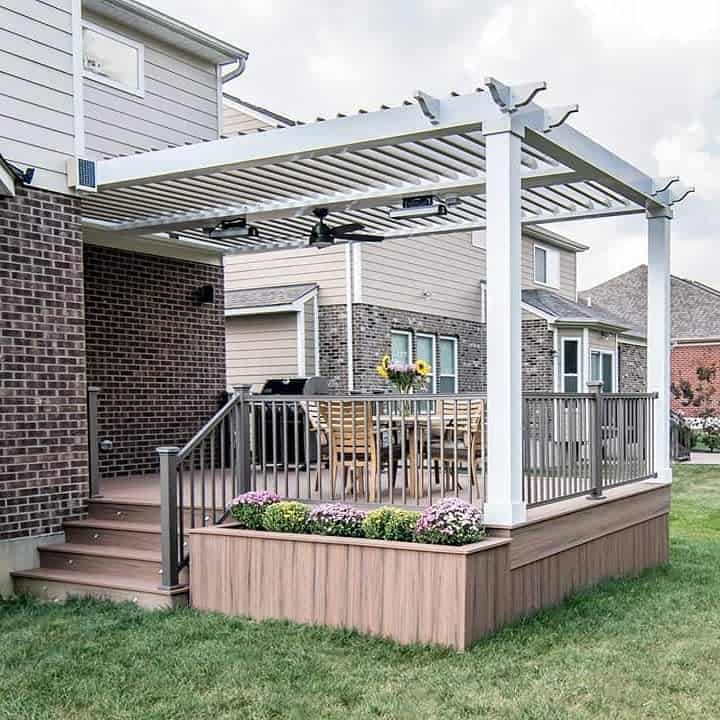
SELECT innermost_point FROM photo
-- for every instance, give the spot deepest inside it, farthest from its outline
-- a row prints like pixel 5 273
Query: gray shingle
pixel 563 308
pixel 695 308
pixel 266 296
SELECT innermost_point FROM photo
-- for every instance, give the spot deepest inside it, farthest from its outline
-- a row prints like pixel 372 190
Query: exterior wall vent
pixel 81 175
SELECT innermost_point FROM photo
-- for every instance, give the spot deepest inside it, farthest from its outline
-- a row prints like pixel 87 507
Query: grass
pixel 642 648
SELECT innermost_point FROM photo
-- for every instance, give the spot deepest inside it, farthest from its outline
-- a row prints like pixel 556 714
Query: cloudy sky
pixel 646 74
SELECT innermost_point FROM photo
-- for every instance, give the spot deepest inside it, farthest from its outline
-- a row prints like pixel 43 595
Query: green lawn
pixel 644 648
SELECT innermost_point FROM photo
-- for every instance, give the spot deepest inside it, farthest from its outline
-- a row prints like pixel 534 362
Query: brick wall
pixel 43 423
pixel 372 338
pixel 632 375
pixel 685 361
pixel 332 321
pixel 537 356
pixel 158 358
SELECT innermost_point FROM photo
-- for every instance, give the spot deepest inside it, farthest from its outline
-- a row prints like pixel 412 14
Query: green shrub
pixel 401 525
pixel 288 516
pixel 389 523
pixel 376 521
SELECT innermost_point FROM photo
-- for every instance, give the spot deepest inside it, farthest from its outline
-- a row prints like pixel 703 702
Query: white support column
pixel 504 503
pixel 658 338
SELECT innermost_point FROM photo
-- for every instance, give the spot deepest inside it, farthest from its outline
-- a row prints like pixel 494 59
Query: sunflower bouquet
pixel 406 377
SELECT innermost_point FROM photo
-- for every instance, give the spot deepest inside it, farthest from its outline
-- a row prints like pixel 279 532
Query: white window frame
pixel 140 90
pixel 483 301
pixel 552 266
pixel 577 374
pixel 433 362
pixel 454 340
pixel 613 361
pixel 408 335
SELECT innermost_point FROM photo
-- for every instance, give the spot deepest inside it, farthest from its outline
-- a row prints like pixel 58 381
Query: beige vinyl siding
pixel 568 267
pixel 179 105
pixel 310 368
pixel 400 273
pixel 290 267
pixel 36 88
pixel 598 342
pixel 260 347
pixel 236 121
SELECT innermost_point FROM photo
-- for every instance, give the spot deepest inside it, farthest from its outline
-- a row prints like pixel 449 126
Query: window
pixel 113 59
pixel 425 350
pixel 546 262
pixel 400 347
pixel 602 368
pixel 570 365
pixel 483 301
pixel 448 365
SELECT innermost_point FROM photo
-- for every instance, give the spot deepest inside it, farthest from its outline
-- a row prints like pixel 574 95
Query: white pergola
pixel 508 161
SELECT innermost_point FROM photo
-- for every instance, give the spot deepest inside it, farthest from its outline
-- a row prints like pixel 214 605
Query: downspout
pixel 221 80
pixel 349 315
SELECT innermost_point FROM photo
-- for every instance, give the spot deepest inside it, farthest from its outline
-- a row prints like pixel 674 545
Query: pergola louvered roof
pixel 361 166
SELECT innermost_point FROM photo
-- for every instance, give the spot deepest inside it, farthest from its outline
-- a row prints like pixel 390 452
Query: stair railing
pixel 198 481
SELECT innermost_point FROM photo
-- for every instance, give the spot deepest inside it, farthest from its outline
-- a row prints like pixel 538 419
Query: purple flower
pixel 336 519
pixel 249 507
pixel 450 522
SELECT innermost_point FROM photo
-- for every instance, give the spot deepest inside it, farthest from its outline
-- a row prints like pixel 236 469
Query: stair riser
pixel 58 591
pixel 119 512
pixel 119 538
pixel 121 567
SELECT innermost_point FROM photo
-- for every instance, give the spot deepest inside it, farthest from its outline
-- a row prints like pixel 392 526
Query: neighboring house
pixel 417 299
pixel 695 319
pixel 83 308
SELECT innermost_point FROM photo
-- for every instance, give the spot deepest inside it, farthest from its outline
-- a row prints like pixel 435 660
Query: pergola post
pixel 504 502
pixel 658 335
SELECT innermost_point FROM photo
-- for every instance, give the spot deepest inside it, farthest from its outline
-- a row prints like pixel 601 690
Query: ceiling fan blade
pixel 348 228
pixel 358 237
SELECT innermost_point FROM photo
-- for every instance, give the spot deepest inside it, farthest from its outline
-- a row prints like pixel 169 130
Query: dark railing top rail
pixel 369 397
pixel 209 426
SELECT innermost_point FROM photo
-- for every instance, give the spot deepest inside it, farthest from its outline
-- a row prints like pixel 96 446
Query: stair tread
pixel 114 525
pixel 123 501
pixel 102 580
pixel 110 551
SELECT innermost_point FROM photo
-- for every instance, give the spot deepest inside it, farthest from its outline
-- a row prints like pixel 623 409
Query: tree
pixel 702 395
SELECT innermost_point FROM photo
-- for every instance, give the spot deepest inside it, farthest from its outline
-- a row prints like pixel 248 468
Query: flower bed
pixel 450 522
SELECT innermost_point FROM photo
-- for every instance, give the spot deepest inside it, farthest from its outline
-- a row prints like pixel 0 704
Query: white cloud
pixel 688 153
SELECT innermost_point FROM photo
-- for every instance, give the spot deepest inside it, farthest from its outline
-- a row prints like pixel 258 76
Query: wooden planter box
pixel 409 592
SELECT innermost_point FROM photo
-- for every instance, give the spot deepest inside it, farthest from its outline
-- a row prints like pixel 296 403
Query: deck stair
pixel 113 554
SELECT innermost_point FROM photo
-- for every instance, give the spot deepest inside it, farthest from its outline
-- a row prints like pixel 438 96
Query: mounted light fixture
pixel 418 207
pixel 203 295
pixel 229 229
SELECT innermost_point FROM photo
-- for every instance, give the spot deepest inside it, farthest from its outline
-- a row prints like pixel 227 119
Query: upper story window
pixel 425 350
pixel 546 263
pixel 401 346
pixel 448 365
pixel 113 59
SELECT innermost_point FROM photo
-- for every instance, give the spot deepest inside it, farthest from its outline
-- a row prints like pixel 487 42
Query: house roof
pixel 563 309
pixel 9 176
pixel 695 307
pixel 269 116
pixel 266 296
pixel 164 27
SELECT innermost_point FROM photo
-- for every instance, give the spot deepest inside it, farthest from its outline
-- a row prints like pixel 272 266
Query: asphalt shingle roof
pixel 695 308
pixel 266 296
pixel 563 308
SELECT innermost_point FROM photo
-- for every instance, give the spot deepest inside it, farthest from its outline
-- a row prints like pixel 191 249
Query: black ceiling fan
pixel 322 235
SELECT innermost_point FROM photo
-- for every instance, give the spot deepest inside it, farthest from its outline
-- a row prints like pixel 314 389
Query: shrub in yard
pixel 249 507
pixel 450 522
pixel 287 516
pixel 336 519
pixel 401 525
pixel 375 523
pixel 389 523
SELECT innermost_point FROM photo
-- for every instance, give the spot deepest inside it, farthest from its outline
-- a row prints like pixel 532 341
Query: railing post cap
pixel 594 385
pixel 168 450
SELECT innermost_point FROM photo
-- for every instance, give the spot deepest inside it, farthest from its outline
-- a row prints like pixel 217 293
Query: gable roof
pixel 267 296
pixel 694 307
pixel 563 309
pixel 269 117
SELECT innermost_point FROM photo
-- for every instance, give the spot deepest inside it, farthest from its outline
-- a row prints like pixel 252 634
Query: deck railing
pixel 410 450
pixel 582 444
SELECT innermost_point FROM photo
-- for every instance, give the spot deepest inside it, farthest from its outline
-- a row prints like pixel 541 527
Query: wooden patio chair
pixel 461 435
pixel 354 445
